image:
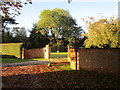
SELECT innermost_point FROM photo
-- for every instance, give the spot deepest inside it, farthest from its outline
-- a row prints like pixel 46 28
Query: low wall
pixel 34 53
pixel 103 60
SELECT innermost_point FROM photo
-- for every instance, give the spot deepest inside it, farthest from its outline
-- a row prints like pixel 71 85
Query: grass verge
pixel 14 60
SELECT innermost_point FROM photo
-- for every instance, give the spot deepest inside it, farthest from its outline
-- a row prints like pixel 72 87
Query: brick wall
pixel 103 60
pixel 34 53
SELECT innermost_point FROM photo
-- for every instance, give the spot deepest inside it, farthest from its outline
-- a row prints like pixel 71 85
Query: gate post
pixel 47 52
pixel 68 53
pixel 73 55
pixel 23 53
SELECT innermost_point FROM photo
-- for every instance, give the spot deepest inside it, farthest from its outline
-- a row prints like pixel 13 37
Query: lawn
pixel 58 75
pixel 58 54
pixel 61 53
pixel 14 60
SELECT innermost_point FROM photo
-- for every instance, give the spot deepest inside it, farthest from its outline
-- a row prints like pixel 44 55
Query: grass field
pixel 58 55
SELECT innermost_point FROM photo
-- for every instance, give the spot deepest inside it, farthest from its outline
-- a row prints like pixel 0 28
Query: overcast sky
pixel 77 8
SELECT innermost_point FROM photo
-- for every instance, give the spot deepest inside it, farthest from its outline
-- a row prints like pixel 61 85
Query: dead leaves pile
pixel 44 76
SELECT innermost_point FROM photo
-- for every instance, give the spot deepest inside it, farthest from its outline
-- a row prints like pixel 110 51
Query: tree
pixel 36 40
pixel 5 31
pixel 7 36
pixel 103 33
pixel 19 34
pixel 76 39
pixel 12 5
pixel 10 9
pixel 57 23
pixel 6 21
pixel 16 35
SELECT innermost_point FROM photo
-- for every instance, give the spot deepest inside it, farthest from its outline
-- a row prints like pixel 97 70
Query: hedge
pixel 13 49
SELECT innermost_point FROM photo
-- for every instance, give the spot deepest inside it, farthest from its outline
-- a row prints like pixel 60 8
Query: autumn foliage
pixel 103 33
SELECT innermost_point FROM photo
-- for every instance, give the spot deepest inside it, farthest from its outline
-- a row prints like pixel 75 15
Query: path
pixel 27 63
pixel 37 62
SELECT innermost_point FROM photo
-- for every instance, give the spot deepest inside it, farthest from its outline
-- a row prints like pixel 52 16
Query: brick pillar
pixel 72 59
pixel 47 52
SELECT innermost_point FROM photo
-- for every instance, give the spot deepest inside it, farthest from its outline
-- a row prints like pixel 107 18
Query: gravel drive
pixel 37 62
pixel 40 62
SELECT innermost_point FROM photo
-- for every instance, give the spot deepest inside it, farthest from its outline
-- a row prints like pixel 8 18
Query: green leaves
pixel 36 40
pixel 57 23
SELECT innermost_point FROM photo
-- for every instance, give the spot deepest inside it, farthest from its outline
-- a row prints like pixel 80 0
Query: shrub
pixel 12 49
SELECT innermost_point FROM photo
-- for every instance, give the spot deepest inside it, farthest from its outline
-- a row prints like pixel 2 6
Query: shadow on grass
pixel 15 60
pixel 62 79
pixel 8 56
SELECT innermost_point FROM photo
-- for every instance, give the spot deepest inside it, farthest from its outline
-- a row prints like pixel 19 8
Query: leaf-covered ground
pixel 57 75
